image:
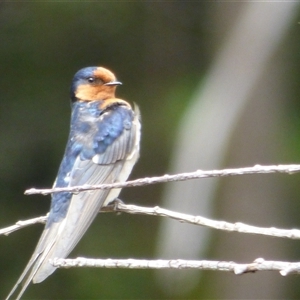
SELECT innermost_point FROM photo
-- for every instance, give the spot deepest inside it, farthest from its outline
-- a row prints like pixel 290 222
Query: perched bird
pixel 103 146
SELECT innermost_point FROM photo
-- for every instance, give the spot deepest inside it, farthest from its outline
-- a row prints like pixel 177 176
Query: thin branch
pixel 184 218
pixel 257 169
pixel 198 220
pixel 284 268
pixel 259 264
pixel 22 224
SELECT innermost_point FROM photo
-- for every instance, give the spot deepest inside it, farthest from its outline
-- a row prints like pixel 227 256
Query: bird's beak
pixel 113 83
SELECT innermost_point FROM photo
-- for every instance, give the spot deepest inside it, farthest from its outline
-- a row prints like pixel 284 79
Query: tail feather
pixel 36 260
pixel 25 278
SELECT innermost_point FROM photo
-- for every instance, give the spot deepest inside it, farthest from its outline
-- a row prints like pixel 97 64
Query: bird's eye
pixel 91 79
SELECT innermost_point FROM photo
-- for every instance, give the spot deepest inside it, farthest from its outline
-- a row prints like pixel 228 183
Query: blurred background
pixel 218 86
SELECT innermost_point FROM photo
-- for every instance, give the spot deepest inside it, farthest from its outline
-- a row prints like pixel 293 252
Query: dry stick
pixel 22 224
pixel 196 220
pixel 257 169
pixel 259 264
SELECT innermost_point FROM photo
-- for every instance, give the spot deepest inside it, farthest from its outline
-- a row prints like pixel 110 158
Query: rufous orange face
pixel 94 87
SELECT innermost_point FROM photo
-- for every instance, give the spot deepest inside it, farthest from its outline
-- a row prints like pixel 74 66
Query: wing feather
pixel 59 239
pixel 85 206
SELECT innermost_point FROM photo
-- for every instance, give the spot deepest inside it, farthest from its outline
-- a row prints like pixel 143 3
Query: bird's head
pixel 93 83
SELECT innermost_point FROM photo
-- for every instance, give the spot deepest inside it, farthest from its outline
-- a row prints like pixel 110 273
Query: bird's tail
pixel 25 278
pixel 37 259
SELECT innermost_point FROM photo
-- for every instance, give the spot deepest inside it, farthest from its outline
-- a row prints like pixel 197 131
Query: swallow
pixel 103 146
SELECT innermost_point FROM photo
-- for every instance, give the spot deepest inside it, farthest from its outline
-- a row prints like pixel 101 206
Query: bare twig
pixel 259 264
pixel 196 220
pixel 285 268
pixel 257 169
pixel 22 224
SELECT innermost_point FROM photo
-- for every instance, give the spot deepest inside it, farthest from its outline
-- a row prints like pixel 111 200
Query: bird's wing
pixel 82 210
pixel 59 239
